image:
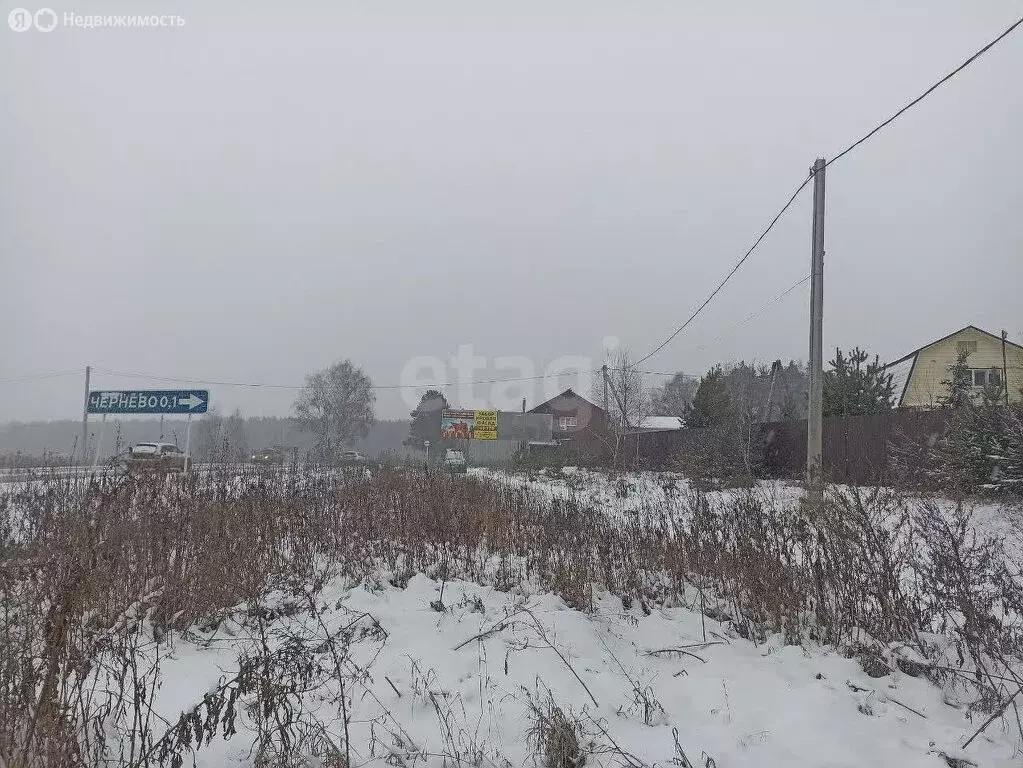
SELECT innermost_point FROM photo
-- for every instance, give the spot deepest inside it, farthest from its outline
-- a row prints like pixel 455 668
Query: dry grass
pixel 93 575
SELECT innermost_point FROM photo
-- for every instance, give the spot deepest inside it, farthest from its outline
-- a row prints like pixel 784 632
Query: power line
pixel 296 387
pixel 39 376
pixel 759 312
pixel 839 156
pixel 728 277
pixel 927 93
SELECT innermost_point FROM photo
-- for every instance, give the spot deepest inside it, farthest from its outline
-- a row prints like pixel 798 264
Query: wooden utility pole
pixel 814 430
pixel 603 374
pixel 1005 368
pixel 85 415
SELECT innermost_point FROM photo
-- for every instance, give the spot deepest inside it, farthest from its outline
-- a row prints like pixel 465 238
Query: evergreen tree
pixel 426 420
pixel 712 403
pixel 959 384
pixel 854 389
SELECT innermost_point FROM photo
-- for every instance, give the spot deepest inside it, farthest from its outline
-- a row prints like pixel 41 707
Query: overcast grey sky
pixel 273 187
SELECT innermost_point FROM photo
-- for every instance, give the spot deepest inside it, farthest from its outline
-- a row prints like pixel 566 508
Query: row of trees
pixel 853 386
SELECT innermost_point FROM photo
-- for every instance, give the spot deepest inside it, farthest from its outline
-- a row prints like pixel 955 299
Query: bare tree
pixel 208 435
pixel 336 406
pixel 675 396
pixel 628 401
pixel 236 444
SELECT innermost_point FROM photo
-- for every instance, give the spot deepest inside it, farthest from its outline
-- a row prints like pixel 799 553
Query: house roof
pixel 661 423
pixel 567 393
pixel 915 352
pixel 902 369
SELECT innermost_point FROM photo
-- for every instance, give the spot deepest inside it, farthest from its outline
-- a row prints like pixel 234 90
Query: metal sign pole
pixel 85 417
pixel 188 443
pixel 99 441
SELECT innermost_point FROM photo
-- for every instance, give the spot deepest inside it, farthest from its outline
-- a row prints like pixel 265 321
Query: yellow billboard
pixel 485 427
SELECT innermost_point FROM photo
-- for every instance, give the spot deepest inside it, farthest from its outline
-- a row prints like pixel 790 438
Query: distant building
pixel 661 423
pixel 578 426
pixel 918 376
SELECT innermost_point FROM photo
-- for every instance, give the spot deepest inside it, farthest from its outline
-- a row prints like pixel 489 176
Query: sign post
pixel 183 402
pixel 188 443
pixel 99 442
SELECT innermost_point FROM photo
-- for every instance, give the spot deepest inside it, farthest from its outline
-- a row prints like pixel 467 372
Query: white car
pixel 160 457
pixel 454 461
pixel 352 457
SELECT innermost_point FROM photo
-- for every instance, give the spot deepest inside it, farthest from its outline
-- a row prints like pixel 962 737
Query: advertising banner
pixel 457 425
pixel 468 425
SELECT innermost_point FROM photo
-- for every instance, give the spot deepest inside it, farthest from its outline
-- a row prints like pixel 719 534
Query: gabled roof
pixel 567 393
pixel 915 352
pixel 902 369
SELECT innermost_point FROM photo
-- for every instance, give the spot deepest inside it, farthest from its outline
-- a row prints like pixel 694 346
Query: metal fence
pixel 857 449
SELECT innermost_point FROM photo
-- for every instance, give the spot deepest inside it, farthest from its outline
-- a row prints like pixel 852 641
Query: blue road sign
pixel 169 401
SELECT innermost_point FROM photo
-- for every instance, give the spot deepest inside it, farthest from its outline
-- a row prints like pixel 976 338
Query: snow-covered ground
pixel 629 496
pixel 435 696
pixel 452 678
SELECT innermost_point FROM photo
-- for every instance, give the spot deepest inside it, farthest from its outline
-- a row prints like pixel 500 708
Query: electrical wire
pixel 926 93
pixel 38 376
pixel 296 387
pixel 728 277
pixel 970 60
pixel 837 157
pixel 756 314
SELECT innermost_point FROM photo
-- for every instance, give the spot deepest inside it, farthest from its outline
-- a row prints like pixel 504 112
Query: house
pixel 579 426
pixel 918 376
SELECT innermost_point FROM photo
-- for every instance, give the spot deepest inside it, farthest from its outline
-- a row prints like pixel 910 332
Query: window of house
pixel 986 377
pixel 969 347
pixel 567 422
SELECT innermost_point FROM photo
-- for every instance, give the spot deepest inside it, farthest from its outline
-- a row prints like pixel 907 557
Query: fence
pixel 857 449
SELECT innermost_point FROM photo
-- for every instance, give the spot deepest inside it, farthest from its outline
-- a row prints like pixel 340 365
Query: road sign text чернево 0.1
pixel 165 401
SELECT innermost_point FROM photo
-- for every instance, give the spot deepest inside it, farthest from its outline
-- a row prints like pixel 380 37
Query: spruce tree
pixel 854 389
pixel 959 384
pixel 426 420
pixel 712 404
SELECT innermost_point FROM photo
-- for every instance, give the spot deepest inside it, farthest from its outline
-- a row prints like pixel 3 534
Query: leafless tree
pixel 675 396
pixel 628 401
pixel 236 442
pixel 336 406
pixel 208 435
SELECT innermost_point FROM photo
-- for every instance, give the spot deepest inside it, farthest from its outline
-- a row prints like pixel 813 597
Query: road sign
pixel 168 401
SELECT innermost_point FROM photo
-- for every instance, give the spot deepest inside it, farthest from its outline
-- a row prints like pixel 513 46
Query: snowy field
pixel 638 496
pixel 455 673
pixel 434 695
